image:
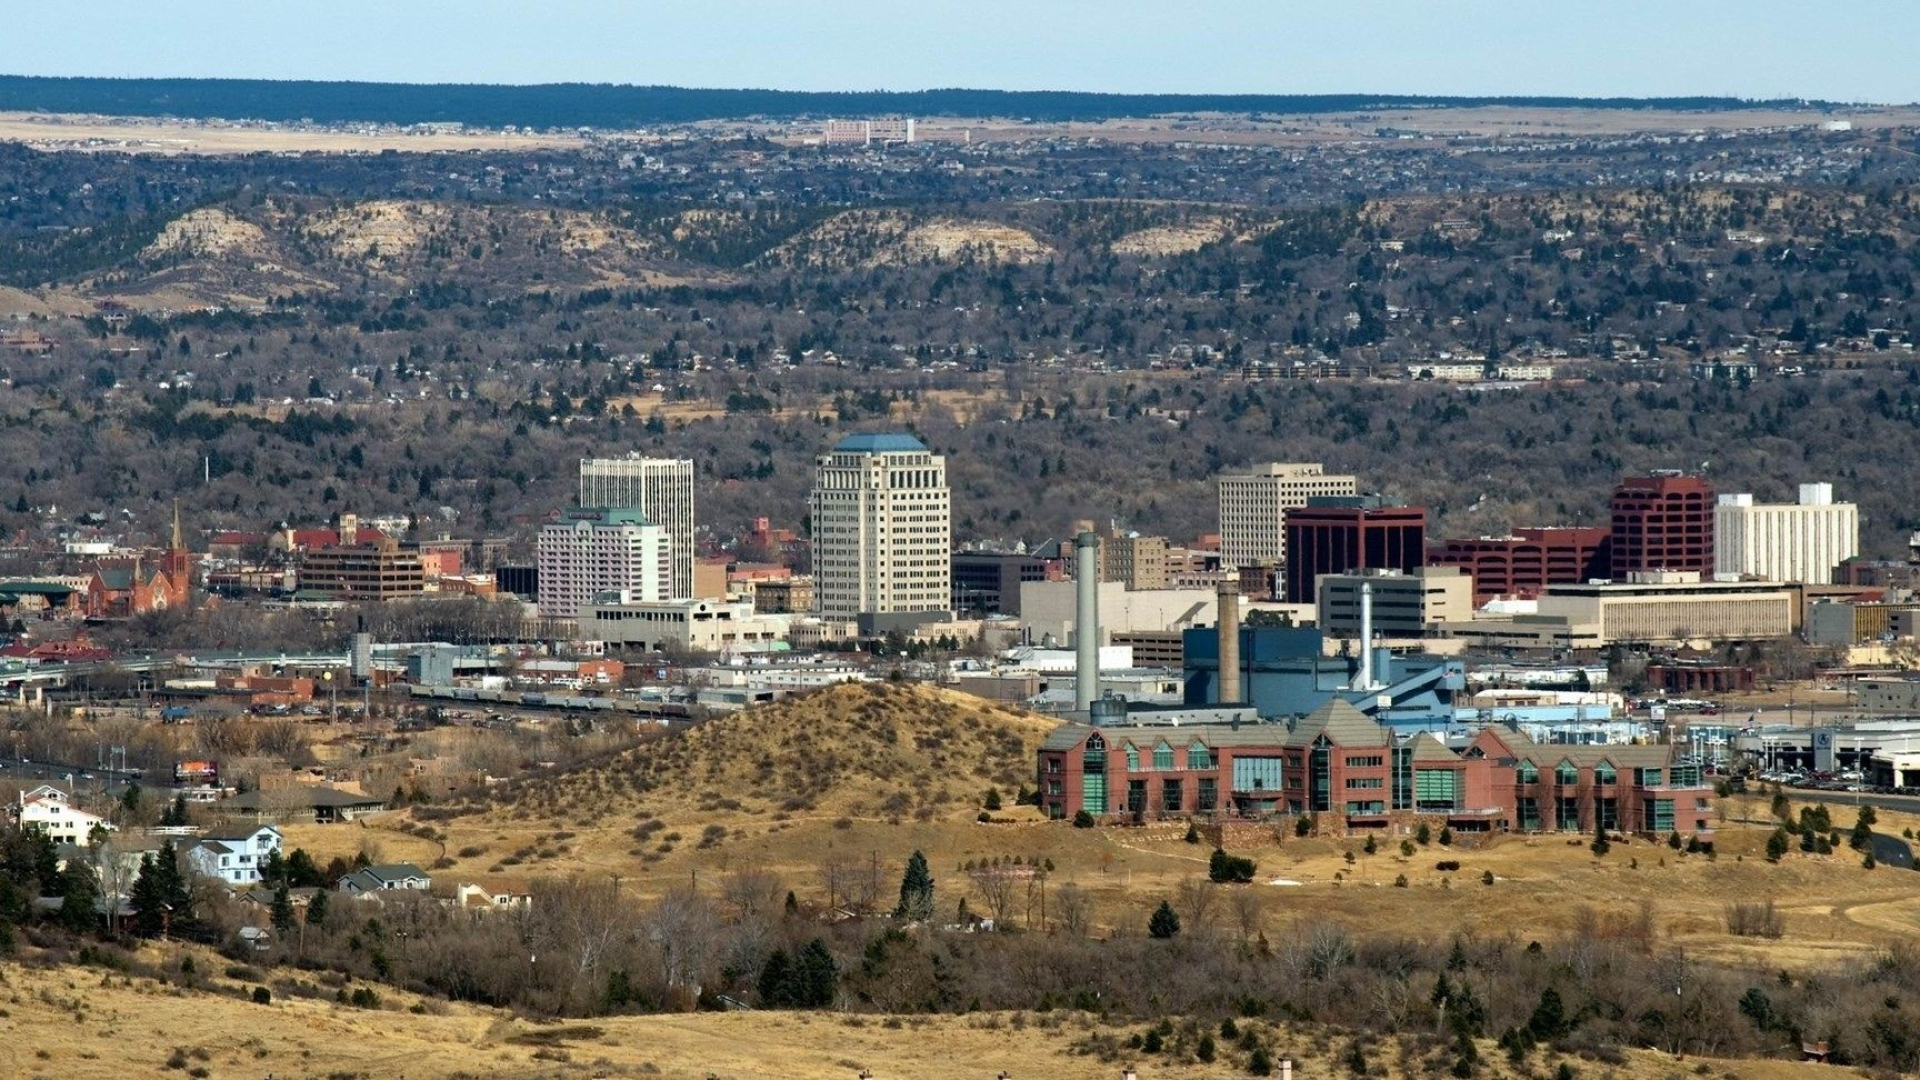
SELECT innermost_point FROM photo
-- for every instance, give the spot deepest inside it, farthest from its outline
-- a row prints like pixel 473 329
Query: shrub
pixel 1152 1043
pixel 1486 877
pixel 1423 834
pixel 992 801
pixel 177 1059
pixel 1083 820
pixel 1406 849
pixel 1205 1049
pixel 1164 923
pixel 1302 826
pixel 1400 882
pixel 262 996
pixel 1754 919
pixel 983 817
pixel 1777 845
pixel 1229 869
pixel 1260 1063
pixel 1446 836
pixel 1193 834
pixel 1447 866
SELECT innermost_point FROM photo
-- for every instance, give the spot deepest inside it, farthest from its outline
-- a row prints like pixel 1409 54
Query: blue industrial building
pixel 1283 674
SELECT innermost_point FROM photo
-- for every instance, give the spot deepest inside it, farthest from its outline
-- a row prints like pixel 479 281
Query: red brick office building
pixel 1662 522
pixel 1338 762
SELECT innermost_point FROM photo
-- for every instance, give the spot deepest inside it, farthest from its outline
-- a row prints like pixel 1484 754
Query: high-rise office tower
pixel 882 528
pixel 1342 534
pixel 1254 505
pixel 660 488
pixel 1662 522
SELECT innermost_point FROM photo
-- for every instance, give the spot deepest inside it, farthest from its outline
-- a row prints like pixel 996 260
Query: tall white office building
pixel 660 488
pixel 1254 505
pixel 588 553
pixel 1796 542
pixel 882 528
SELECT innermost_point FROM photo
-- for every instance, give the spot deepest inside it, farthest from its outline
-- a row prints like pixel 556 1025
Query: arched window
pixel 1603 773
pixel 1567 774
pixel 1133 758
pixel 1198 756
pixel 1527 773
pixel 1163 757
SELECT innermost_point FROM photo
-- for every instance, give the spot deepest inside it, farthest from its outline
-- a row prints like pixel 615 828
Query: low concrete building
pixel 1047 607
pixel 1404 605
pixel 683 626
pixel 1670 607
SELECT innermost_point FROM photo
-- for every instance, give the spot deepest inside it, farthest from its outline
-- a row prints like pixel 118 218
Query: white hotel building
pixel 585 554
pixel 1798 542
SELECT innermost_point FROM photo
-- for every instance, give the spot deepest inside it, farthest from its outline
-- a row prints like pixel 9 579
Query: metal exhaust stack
pixel 1228 599
pixel 1086 620
pixel 1366 635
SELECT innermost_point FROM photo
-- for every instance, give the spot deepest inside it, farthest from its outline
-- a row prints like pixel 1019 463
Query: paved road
pixel 1888 850
pixel 1892 851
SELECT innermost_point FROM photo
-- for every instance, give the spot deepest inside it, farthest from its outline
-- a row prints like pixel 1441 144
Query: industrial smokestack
pixel 1086 619
pixel 1228 598
pixel 1366 636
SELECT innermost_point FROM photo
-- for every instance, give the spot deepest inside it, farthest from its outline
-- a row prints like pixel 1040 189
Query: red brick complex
pixel 1527 562
pixel 1336 761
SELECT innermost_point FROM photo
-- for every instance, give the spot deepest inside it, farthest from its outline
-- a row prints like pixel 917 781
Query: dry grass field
pixel 75 1023
pixel 866 775
pixel 50 131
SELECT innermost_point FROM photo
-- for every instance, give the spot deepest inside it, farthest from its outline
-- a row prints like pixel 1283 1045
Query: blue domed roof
pixel 880 443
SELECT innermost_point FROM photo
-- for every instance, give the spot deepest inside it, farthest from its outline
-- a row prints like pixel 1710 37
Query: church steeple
pixel 177 545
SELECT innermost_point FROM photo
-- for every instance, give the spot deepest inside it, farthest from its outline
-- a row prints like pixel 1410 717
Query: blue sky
pixel 1851 51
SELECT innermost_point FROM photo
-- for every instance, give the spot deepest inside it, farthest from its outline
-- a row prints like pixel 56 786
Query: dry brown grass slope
pixel 85 1024
pixel 890 752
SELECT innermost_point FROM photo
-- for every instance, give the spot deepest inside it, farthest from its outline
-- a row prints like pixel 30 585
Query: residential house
pixel 316 803
pixel 373 880
pixel 51 810
pixel 485 896
pixel 236 855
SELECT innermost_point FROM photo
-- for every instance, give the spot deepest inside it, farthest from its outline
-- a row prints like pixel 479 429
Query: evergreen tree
pixel 1601 845
pixel 79 891
pixel 301 871
pixel 275 869
pixel 916 891
pixel 1777 845
pixel 282 911
pixel 148 898
pixel 317 909
pixel 1165 923
pixel 816 976
pixel 1549 1019
pixel 130 802
pixel 776 981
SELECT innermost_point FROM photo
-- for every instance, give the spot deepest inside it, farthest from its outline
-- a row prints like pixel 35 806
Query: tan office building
pixel 882 528
pixel 1254 505
pixel 1801 541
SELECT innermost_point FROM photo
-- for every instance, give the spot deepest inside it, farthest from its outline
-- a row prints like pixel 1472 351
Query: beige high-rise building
pixel 1254 505
pixel 882 528
pixel 1796 542
pixel 660 488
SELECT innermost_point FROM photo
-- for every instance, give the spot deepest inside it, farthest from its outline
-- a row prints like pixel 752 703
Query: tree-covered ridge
pixel 600 105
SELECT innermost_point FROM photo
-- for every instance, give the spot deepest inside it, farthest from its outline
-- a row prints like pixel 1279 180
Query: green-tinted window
pixel 1603 774
pixel 1198 756
pixel 1567 774
pixel 1093 793
pixel 1686 776
pixel 1163 757
pixel 1650 777
pixel 1527 773
pixel 1435 789
pixel 1657 815
pixel 1133 758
